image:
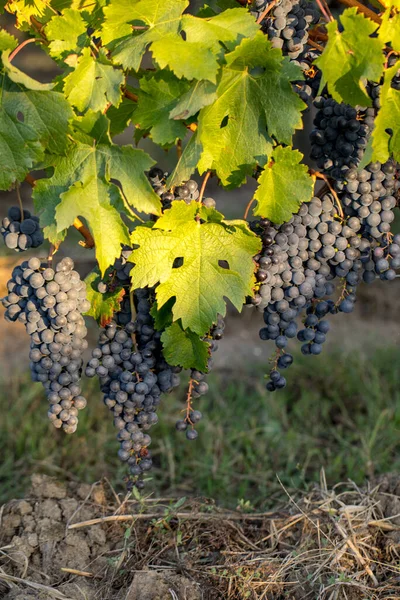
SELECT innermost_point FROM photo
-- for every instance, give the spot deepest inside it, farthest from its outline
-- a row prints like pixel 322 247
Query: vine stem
pixel 324 8
pixel 246 212
pixel 315 45
pixel 133 316
pixel 131 95
pixel 81 227
pixel 22 45
pixel 39 28
pixel 319 175
pixel 20 201
pixel 266 11
pixel 203 186
pixel 189 400
pixel 363 9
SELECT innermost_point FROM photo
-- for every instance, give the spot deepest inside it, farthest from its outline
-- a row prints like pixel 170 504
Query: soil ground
pixel 76 541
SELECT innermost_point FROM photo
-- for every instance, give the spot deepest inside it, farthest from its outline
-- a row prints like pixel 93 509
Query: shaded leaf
pixel 386 133
pixel 102 306
pixel 184 348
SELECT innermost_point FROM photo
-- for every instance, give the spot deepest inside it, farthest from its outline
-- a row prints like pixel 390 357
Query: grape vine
pixel 224 91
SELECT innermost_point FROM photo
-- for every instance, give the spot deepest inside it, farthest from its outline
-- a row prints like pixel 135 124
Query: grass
pixel 340 413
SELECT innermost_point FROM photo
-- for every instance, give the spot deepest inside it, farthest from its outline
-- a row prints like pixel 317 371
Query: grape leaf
pixel 186 164
pixel 32 118
pixel 161 17
pixel 102 306
pixel 389 31
pixel 158 95
pixel 162 315
pixel 25 9
pixel 95 201
pixel 193 60
pixel 229 27
pixel 121 117
pixel 63 32
pixel 351 56
pixel 386 133
pixel 283 186
pixel 7 41
pixel 92 167
pixel 255 100
pixel 200 94
pixel 94 83
pixel 200 285
pixel 184 348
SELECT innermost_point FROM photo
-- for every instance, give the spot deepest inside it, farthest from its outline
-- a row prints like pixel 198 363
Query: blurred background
pixel 340 411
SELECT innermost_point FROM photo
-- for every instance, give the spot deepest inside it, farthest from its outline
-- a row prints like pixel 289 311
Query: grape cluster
pixel 198 385
pixel 21 231
pixel 340 136
pixel 187 192
pixel 287 24
pixel 50 303
pixel 133 374
pixel 308 88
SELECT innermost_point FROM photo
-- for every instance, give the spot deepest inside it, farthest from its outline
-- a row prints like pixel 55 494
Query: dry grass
pixel 334 543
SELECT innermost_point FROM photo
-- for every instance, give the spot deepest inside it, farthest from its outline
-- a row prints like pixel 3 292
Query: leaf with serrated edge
pixel 94 83
pixel 283 186
pixel 94 201
pixel 102 306
pixel 161 17
pixel 85 163
pixel 184 348
pixel 63 31
pixel 186 164
pixel 158 95
pixel 389 31
pixel 192 60
pixel 388 118
pixel 351 57
pixel 200 285
pixel 200 94
pixel 32 118
pixel 7 41
pixel 229 27
pixel 254 104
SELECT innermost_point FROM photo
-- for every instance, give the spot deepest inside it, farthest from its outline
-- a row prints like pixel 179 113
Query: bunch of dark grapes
pixel 287 24
pixel 340 136
pixel 308 88
pixel 21 231
pixel 133 374
pixel 50 303
pixel 198 385
pixel 187 192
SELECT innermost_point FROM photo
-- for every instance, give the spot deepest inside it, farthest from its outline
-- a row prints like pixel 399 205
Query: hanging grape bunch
pixel 21 230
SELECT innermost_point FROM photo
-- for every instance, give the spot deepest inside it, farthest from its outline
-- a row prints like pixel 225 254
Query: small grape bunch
pixel 21 230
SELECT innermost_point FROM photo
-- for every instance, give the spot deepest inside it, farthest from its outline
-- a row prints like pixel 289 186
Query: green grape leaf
pixel 386 133
pixel 95 201
pixel 200 94
pixel 184 348
pixel 162 316
pixel 25 9
pixel 186 164
pixel 121 117
pixel 102 306
pixel 255 100
pixel 158 95
pixel 85 174
pixel 64 32
pixel 192 60
pixel 389 31
pixel 7 41
pixel 32 118
pixel 160 17
pixel 283 186
pixel 229 27
pixel 94 83
pixel 351 56
pixel 200 285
